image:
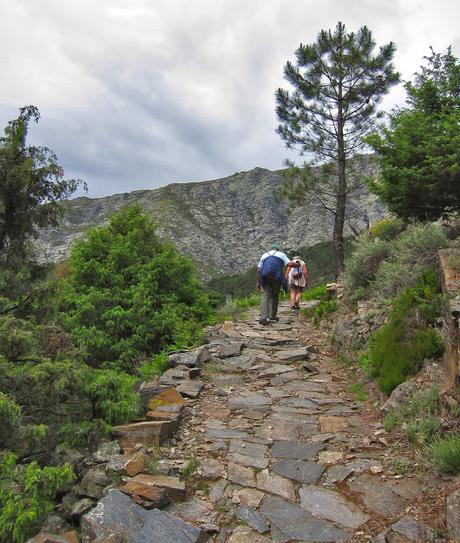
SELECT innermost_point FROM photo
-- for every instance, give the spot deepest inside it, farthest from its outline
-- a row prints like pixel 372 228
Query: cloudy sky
pixel 136 94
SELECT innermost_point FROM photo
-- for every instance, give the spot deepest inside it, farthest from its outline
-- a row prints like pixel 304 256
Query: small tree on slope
pixel 419 153
pixel 338 82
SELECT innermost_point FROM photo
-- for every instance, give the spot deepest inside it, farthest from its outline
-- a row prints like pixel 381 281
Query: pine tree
pixel 338 82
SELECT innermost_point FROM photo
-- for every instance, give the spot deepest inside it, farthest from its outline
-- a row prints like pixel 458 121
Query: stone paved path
pixel 265 446
pixel 284 455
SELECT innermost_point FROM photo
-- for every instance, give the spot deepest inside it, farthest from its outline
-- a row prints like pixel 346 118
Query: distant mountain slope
pixel 224 225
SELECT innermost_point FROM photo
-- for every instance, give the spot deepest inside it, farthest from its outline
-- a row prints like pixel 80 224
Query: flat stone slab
pixel 232 349
pixel 282 429
pixel 453 515
pixel 190 359
pixel 296 450
pixel 252 518
pixel 192 510
pixel 174 487
pixel 249 461
pixel 174 376
pixel 226 433
pixel 331 506
pixel 410 528
pixel 406 488
pixel 249 400
pixel 147 496
pixel 304 403
pixel 239 363
pixel 337 474
pixel 305 472
pixel 377 496
pixel 274 369
pixel 270 482
pixel 293 355
pixel 210 468
pixel 241 475
pixel 245 534
pixel 248 496
pixel 248 448
pixel 118 515
pixel 291 522
pixel 151 433
pixel 190 388
pixel 330 457
pixel 168 397
pixel 330 423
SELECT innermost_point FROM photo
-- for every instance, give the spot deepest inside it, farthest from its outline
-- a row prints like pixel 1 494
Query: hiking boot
pixel 264 321
pixel 293 308
pixel 274 319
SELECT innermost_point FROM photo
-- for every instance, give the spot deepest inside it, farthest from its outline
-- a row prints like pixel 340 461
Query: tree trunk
pixel 339 219
pixel 341 191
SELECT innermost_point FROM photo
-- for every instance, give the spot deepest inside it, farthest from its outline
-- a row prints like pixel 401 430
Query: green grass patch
pixel 359 391
pixel 316 293
pixel 398 348
pixel 418 417
pixel 190 468
pixel 445 454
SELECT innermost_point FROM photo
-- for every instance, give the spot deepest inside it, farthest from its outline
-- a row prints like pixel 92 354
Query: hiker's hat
pixel 276 246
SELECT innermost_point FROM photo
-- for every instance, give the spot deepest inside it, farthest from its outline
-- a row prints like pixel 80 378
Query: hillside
pixel 224 224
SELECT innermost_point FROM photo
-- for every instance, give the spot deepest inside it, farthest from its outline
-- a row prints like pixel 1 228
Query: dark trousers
pixel 270 297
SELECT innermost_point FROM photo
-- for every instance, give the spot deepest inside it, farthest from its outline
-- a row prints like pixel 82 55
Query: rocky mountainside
pixel 224 225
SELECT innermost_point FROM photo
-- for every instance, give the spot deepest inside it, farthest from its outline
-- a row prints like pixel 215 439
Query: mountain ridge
pixel 223 224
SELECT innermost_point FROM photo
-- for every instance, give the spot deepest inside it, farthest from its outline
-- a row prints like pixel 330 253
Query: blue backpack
pixel 272 267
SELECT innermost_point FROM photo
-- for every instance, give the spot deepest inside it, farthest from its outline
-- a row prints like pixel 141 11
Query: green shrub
pixel 399 347
pixel 387 228
pixel 363 264
pixel 190 468
pixel 9 418
pixel 111 394
pixel 324 310
pixel 418 416
pixel 247 302
pixel 384 266
pixel 154 367
pixel 26 496
pixel 316 293
pixel 18 337
pixel 129 295
pixel 411 255
pixel 445 454
pixel 423 430
pixel 235 308
pixel 86 434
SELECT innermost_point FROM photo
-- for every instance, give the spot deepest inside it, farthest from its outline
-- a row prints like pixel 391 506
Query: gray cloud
pixel 135 94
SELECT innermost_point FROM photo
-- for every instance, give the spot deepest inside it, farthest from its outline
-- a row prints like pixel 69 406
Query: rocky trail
pixel 254 438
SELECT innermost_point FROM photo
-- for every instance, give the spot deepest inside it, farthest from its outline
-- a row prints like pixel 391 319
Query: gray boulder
pixel 190 359
pixel 118 515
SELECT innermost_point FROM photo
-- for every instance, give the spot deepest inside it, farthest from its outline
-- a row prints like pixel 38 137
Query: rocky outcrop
pixel 224 225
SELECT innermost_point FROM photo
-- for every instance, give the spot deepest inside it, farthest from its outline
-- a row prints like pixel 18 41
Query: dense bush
pixel 387 228
pixel 399 347
pixel 129 295
pixel 445 453
pixel 411 254
pixel 383 268
pixel 26 496
pixel 363 265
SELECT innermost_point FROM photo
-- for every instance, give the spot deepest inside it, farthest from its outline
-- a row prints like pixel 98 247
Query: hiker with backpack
pixel 297 278
pixel 270 278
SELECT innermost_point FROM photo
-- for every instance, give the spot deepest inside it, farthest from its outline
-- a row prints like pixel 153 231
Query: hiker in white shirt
pixel 297 279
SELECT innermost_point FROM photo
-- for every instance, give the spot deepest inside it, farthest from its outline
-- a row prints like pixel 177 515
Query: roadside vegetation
pixel 75 340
